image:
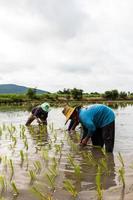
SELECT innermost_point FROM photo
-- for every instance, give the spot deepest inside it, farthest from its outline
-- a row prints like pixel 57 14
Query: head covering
pixel 68 111
pixel 45 107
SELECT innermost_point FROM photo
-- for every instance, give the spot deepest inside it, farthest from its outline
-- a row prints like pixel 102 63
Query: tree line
pixel 63 96
pixel 79 94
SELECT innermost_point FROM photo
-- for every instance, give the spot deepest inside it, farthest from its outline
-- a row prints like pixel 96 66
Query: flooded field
pixel 46 163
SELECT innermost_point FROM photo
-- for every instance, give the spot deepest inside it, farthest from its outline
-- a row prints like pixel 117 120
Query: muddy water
pixel 42 147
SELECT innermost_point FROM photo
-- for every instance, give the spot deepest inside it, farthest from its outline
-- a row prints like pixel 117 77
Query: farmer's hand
pixel 38 121
pixel 71 132
pixel 84 141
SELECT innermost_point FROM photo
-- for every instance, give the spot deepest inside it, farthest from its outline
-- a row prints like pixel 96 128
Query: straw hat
pixel 45 107
pixel 68 111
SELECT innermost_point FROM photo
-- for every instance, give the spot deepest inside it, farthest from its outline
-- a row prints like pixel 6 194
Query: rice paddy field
pixel 46 163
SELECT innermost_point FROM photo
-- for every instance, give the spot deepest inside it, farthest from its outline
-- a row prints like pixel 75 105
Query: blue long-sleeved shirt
pixel 95 116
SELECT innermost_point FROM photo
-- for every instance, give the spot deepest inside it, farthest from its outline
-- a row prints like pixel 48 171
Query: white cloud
pixel 64 44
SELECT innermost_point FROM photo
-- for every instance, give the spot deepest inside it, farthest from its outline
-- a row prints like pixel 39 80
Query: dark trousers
pixel 104 136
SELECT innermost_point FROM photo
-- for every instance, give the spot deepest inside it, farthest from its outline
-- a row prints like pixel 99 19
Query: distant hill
pixel 16 89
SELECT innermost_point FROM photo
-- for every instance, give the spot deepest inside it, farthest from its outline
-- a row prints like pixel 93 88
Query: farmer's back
pixel 99 114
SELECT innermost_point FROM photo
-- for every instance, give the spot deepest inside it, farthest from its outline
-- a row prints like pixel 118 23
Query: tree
pixel 31 93
pixel 107 95
pixel 94 94
pixel 77 93
pixel 65 91
pixel 123 95
pixel 113 94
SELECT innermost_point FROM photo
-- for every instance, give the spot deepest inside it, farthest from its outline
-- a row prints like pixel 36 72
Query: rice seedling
pixel 77 171
pixel 45 154
pixel 1 132
pixel 4 126
pixel 22 157
pixel 11 129
pixel 54 162
pixel 3 185
pixel 4 161
pixel 2 198
pixel 27 161
pixel 25 143
pixel 14 139
pixel 37 149
pixel 73 146
pixel 53 170
pixel 104 166
pixel 23 128
pixel 104 152
pixel 89 159
pixel 121 173
pixel 120 159
pixel 32 176
pixel 58 148
pixel 65 134
pixel 22 132
pixel 15 189
pixel 77 136
pixel 55 136
pixel 62 143
pixel 70 159
pixel 121 170
pixel 51 180
pixel 68 185
pixel 11 168
pixel 38 167
pixel 39 194
pixel 51 127
pixel 98 184
pixel 77 168
pixel 32 131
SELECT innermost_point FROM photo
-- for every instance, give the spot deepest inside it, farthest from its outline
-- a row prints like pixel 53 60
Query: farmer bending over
pixel 98 123
pixel 40 113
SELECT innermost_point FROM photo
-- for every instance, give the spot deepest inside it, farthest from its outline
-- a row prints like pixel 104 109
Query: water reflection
pixel 116 105
pixel 122 196
pixel 89 169
pixel 39 134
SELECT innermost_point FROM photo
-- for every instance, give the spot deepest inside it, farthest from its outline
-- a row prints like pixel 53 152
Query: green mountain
pixel 17 89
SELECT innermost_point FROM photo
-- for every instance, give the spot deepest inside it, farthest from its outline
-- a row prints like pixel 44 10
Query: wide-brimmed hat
pixel 68 111
pixel 45 106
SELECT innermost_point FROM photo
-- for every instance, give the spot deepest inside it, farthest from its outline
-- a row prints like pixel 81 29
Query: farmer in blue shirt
pixel 98 122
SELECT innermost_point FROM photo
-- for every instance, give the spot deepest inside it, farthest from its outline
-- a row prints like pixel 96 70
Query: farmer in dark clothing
pixel 98 123
pixel 40 113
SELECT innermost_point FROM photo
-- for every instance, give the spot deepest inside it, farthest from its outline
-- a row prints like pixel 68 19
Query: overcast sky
pixel 56 44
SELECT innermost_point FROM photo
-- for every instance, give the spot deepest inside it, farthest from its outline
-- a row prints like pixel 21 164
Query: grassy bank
pixel 57 100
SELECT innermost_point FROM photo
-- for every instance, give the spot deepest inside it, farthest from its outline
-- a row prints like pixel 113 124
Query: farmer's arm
pixel 88 131
pixel 36 115
pixel 72 125
pixel 38 120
